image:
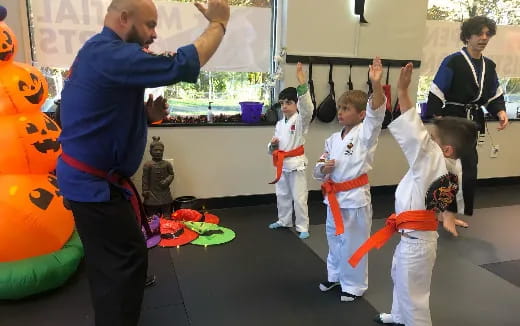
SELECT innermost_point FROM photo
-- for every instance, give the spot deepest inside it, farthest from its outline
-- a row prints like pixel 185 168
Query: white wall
pixel 329 28
pixel 228 161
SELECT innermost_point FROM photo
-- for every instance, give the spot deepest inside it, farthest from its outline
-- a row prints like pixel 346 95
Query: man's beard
pixel 133 37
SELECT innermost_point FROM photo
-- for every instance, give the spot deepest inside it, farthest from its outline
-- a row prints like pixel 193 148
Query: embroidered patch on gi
pixel 349 150
pixel 442 192
pixel 293 129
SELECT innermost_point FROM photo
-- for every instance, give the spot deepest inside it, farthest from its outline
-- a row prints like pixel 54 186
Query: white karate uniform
pixel 354 156
pixel 292 186
pixel 415 254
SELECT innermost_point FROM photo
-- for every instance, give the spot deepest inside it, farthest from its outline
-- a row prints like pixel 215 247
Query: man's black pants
pixel 116 258
pixel 469 179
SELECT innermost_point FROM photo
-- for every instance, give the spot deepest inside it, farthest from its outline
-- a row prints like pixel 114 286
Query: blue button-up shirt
pixel 103 117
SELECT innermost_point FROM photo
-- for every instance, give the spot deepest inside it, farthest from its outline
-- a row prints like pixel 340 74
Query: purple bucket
pixel 251 111
pixel 424 110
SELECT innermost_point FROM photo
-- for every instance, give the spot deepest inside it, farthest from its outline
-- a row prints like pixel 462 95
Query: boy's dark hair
pixel 460 133
pixel 474 25
pixel 288 94
pixel 358 99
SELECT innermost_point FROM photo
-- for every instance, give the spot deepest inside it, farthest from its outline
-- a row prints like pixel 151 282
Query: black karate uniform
pixel 461 87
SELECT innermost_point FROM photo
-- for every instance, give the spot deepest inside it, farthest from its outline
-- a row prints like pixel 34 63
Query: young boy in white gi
pixel 343 167
pixel 429 187
pixel 286 147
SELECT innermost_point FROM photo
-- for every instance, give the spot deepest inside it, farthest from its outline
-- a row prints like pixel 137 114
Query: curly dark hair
pixel 474 25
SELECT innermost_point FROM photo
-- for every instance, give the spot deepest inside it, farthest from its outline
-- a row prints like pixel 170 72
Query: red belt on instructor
pixel 117 180
pixel 420 220
pixel 279 156
pixel 330 188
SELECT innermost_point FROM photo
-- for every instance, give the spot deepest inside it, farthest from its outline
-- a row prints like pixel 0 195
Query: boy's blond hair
pixel 358 99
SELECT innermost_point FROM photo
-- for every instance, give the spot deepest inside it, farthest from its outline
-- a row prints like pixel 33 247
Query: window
pixel 60 27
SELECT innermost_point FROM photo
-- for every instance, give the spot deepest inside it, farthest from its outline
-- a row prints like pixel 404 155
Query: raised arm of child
pixel 408 129
pixel 376 106
pixel 305 106
pixel 402 88
pixel 375 73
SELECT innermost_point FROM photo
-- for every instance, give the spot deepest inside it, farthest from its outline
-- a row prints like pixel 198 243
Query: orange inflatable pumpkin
pixel 35 226
pixel 8 44
pixel 30 144
pixel 25 87
pixel 34 220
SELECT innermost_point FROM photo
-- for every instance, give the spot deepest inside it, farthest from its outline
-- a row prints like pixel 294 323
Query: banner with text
pixel 442 39
pixel 62 26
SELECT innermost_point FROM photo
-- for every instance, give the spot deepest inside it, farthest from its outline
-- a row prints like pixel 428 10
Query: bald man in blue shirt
pixel 104 122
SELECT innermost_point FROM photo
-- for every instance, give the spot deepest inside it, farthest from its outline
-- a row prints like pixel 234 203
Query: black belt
pixel 406 235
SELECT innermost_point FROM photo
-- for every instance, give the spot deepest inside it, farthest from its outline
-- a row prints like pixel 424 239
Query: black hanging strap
pixel 369 83
pixel 311 93
pixel 387 74
pixel 350 85
pixel 331 83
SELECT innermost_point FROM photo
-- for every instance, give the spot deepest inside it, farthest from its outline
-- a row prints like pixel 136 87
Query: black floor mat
pixel 70 304
pixel 263 277
pixel 67 305
pixel 163 303
pixel 508 270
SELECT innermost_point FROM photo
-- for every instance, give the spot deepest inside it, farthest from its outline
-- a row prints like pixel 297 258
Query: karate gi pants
pixel 412 267
pixel 357 223
pixel 292 188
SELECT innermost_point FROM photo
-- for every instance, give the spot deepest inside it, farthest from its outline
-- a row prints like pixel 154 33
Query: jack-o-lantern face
pixel 33 92
pixel 39 136
pixel 7 44
pixel 42 197
pixel 34 219
pixel 29 143
pixel 25 86
pixel 46 133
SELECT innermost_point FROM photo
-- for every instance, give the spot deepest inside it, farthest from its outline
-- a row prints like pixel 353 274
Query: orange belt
pixel 279 156
pixel 330 188
pixel 420 220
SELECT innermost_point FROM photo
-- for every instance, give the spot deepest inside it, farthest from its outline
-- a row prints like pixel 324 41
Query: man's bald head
pixel 133 20
pixel 129 6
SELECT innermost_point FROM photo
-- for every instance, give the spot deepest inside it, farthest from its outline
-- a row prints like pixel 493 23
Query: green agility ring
pixel 22 278
pixel 210 234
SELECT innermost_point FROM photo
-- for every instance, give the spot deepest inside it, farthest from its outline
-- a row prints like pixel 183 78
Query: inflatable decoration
pixel 8 43
pixel 25 87
pixel 30 143
pixel 39 249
